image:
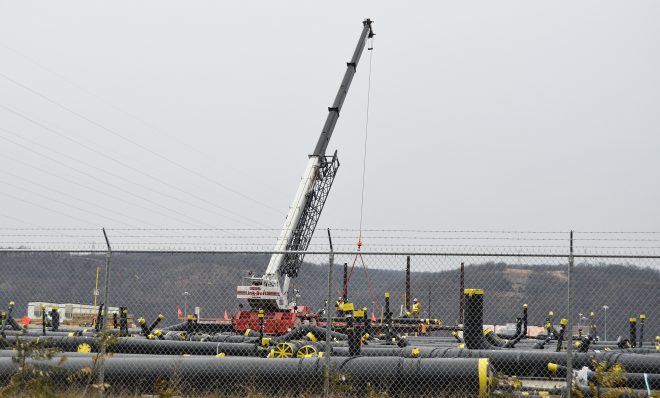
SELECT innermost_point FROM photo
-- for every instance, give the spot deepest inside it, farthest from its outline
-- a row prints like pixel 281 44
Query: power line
pixel 105 171
pixel 138 119
pixel 137 144
pixel 73 197
pixel 87 186
pixel 45 208
pixel 92 149
pixel 51 199
pixel 16 219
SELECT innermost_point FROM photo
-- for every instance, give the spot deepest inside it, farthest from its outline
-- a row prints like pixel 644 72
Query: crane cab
pixel 261 292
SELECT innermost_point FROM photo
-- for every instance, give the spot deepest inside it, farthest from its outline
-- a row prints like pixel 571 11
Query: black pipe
pixel 642 317
pixel 548 324
pixel 201 327
pixel 344 291
pixel 397 376
pixel 123 321
pixel 474 315
pixel 524 320
pixel 6 316
pixel 43 319
pixel 520 362
pixel 493 339
pixel 583 344
pixel 388 317
pixel 518 337
pixel 99 319
pixel 260 314
pixel 461 287
pixel 541 344
pixel 131 345
pixel 54 318
pixel 9 320
pixel 534 363
pixel 407 291
pixel 303 330
pixel 633 331
pixel 562 331
pixel 155 323
pixel 353 334
pixel 143 326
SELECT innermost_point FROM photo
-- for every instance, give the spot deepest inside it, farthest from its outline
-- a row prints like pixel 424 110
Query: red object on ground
pixel 25 320
pixel 274 322
pixel 226 317
pixel 179 313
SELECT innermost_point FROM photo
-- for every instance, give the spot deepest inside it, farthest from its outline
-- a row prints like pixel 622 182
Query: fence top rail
pixel 340 253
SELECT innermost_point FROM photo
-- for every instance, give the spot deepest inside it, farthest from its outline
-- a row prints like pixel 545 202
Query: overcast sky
pixel 487 115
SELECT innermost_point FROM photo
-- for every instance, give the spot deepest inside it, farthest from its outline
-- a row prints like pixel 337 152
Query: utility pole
pixel 185 304
pixel 407 297
pixel 328 322
pixel 569 326
pixel 461 296
pixel 104 316
pixel 428 312
pixel 605 307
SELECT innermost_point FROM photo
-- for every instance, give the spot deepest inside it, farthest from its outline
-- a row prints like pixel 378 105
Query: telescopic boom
pixel 264 291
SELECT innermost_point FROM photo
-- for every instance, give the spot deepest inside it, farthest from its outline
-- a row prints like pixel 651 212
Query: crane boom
pixel 307 204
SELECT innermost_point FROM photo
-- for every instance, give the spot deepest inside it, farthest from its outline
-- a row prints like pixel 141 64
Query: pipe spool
pixel 562 332
pixel 517 362
pixel 130 345
pixel 200 327
pixel 466 377
pixel 633 331
pixel 474 319
pixel 304 330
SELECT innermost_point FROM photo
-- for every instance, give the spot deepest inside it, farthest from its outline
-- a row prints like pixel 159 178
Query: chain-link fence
pixel 411 319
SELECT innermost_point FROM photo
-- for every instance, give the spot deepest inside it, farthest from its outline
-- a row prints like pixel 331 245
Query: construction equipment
pixel 270 291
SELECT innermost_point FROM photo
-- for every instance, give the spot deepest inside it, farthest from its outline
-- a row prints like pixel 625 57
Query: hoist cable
pixel 364 169
pixel 366 136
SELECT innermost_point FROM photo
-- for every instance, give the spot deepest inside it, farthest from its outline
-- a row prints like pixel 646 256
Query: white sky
pixel 489 115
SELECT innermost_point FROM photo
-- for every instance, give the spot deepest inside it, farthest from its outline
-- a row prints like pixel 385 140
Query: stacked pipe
pixel 395 375
pixel 513 357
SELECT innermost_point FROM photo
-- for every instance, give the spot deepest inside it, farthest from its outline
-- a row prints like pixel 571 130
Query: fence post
pixel 328 323
pixel 569 325
pixel 106 293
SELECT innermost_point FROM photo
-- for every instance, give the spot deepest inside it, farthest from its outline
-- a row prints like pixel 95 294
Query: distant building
pixel 67 311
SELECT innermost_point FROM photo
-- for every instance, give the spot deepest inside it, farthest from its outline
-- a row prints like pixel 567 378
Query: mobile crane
pixel 269 292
